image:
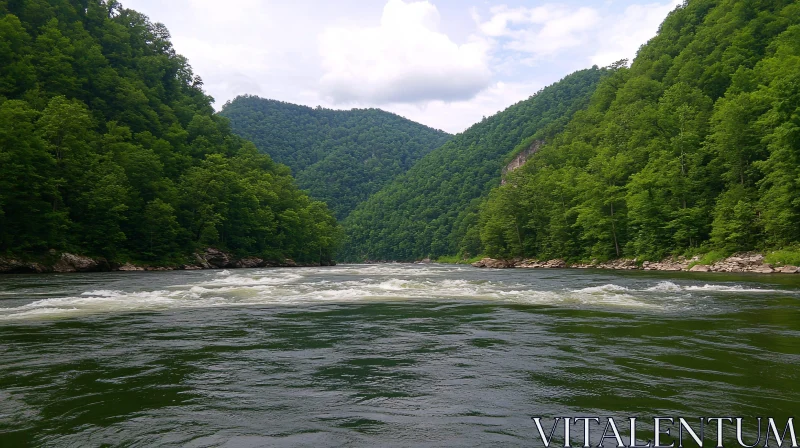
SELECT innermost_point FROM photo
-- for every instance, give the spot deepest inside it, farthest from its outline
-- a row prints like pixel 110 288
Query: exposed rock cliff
pixel 520 159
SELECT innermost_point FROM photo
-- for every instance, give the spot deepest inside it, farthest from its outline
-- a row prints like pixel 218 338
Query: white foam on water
pixel 103 293
pixel 251 280
pixel 92 302
pixel 338 295
pixel 729 288
pixel 394 284
pixel 594 298
pixel 608 295
pixel 44 312
pixel 610 288
pixel 361 284
pixel 617 300
pixel 393 270
pixel 665 287
pixel 266 291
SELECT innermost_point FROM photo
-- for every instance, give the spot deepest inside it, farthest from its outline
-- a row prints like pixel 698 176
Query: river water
pixel 384 355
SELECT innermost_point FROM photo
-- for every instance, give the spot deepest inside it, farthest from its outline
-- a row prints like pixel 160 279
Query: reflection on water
pixel 389 355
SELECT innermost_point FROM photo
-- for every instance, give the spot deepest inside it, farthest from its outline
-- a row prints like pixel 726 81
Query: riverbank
pixel 739 263
pixel 209 258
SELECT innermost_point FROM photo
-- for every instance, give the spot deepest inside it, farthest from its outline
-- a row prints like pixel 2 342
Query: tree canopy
pixel 429 210
pixel 109 146
pixel 340 157
pixel 695 147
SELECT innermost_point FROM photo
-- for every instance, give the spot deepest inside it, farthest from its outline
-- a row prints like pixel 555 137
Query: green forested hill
pixel 696 147
pixel 108 146
pixel 427 211
pixel 340 157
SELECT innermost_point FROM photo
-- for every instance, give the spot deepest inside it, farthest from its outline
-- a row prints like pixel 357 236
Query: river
pixel 384 355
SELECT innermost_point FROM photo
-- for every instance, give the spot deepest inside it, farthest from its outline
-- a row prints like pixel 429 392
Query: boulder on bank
pixel 737 263
pixel 669 264
pixel 129 267
pixel 493 264
pixel 209 258
pixel 76 263
pixel 743 262
pixel 536 264
pixel 251 262
pixel 13 266
pixel 700 268
pixel 217 258
pixel 191 267
pixel 620 264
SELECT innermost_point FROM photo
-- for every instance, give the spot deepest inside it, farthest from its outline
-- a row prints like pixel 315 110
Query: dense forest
pixel 340 157
pixel 432 210
pixel 110 147
pixel 694 148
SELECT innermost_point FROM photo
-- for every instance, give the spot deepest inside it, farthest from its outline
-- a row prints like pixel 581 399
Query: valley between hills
pixel 691 151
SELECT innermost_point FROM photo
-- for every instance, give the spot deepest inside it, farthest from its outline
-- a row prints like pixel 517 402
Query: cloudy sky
pixel 444 63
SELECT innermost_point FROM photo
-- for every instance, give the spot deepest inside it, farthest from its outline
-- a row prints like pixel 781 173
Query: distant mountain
pixel 428 210
pixel 340 157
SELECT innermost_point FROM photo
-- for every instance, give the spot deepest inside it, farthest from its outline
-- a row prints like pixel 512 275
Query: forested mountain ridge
pixel 694 148
pixel 109 147
pixel 339 156
pixel 428 210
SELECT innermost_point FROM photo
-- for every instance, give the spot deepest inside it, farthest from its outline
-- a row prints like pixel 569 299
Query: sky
pixel 443 63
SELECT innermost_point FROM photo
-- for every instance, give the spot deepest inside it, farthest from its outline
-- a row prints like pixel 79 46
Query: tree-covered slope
pixel 426 211
pixel 340 157
pixel 108 146
pixel 696 147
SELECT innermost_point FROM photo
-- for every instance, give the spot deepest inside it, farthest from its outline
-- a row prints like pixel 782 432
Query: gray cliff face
pixel 520 159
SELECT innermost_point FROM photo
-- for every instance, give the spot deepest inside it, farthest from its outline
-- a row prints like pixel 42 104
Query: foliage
pixel 340 157
pixel 710 258
pixel 431 209
pixel 696 145
pixel 456 259
pixel 108 146
pixel 790 256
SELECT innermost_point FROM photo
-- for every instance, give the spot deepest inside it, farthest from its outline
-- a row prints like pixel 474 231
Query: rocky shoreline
pixel 207 259
pixel 739 263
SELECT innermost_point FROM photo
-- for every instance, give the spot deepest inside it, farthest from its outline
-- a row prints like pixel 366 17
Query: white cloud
pixel 426 60
pixel 540 31
pixel 622 35
pixel 602 37
pixel 404 60
pixel 456 116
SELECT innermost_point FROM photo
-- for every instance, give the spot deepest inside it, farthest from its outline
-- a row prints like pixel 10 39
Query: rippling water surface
pixel 384 355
